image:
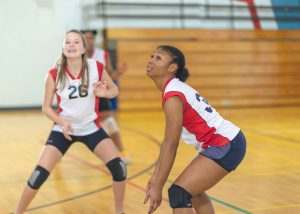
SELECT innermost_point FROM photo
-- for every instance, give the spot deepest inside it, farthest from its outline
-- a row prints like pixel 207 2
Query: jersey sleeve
pixel 100 68
pixel 172 94
pixel 53 73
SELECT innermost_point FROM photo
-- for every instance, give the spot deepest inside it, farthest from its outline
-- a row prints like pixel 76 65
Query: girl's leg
pixel 200 175
pixel 107 152
pixel 202 204
pixel 50 156
pixel 109 124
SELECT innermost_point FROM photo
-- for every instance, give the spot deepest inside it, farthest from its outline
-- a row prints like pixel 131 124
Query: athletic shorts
pixel 104 104
pixel 230 155
pixel 58 140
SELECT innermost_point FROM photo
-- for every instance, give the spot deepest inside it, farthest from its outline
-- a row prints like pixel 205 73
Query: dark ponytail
pixel 182 72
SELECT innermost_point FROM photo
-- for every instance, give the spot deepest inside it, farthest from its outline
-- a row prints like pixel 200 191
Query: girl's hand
pixel 67 128
pixel 100 89
pixel 123 68
pixel 148 188
pixel 155 196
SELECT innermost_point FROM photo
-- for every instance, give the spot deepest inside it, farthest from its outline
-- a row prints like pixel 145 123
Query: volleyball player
pixel 189 116
pixel 108 120
pixel 77 83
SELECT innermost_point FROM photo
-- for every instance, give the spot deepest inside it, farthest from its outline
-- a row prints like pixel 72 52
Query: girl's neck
pixel 90 53
pixel 74 65
pixel 161 82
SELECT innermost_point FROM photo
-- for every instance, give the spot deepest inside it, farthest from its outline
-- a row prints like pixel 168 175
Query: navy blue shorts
pixel 58 140
pixel 230 155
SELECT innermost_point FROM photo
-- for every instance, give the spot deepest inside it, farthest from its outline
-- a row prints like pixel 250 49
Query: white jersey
pixel 201 123
pixel 101 56
pixel 81 109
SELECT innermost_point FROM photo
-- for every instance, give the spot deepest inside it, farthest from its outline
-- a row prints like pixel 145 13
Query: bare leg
pixel 109 124
pixel 105 114
pixel 116 137
pixel 107 151
pixel 184 211
pixel 202 204
pixel 200 175
pixel 50 156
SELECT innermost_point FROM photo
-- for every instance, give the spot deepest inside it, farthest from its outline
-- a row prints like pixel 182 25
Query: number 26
pixel 82 91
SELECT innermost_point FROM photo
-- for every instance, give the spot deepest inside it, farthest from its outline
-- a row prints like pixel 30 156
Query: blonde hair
pixel 61 66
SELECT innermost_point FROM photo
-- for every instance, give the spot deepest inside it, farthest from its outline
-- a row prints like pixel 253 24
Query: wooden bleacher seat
pixel 231 68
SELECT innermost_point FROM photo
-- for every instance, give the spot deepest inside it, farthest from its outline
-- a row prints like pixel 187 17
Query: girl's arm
pixel 48 110
pixel 114 74
pixel 106 87
pixel 173 108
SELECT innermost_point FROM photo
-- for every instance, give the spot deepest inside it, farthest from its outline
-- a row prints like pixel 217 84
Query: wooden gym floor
pixel 268 181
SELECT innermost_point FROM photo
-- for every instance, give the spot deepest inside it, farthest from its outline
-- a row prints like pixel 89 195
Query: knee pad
pixel 38 177
pixel 110 125
pixel 118 169
pixel 179 197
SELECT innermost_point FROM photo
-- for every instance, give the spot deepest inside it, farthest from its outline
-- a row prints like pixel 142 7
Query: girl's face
pixel 90 40
pixel 159 63
pixel 73 45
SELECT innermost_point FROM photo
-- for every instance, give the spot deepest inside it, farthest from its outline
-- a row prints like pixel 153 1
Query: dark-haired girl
pixel 77 82
pixel 189 116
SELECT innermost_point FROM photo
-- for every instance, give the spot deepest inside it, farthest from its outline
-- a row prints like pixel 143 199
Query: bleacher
pixel 231 68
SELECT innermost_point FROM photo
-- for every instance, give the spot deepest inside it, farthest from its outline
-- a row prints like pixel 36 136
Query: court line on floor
pixel 106 172
pixel 54 179
pixel 278 137
pixel 221 202
pixel 88 193
pixel 276 207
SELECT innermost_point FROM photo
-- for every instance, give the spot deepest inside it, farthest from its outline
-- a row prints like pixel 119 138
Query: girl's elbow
pixel 45 110
pixel 116 92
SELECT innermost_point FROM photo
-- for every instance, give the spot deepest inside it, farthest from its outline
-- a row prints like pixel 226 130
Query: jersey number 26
pixel 73 91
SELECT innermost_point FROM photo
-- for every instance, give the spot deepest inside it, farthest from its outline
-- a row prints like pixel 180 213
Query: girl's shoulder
pixel 53 73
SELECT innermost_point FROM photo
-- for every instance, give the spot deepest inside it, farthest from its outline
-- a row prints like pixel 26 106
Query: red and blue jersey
pixel 202 124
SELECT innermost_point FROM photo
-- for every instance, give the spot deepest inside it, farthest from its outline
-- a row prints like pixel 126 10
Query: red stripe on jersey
pixel 53 73
pixel 100 67
pixel 106 57
pixel 196 125
pixel 58 104
pixel 71 75
pixel 97 121
pixel 217 140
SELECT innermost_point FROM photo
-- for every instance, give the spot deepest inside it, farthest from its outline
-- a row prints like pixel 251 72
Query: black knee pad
pixel 38 177
pixel 179 197
pixel 118 169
